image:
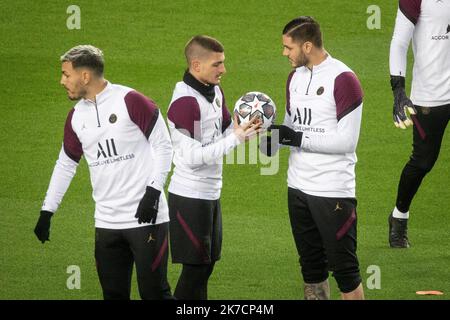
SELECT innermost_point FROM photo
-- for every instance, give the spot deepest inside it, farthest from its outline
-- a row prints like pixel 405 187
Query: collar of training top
pixel 205 90
pixel 102 94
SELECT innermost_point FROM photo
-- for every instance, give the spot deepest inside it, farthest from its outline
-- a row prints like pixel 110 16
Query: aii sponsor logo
pixel 304 117
pixel 107 154
pixel 110 148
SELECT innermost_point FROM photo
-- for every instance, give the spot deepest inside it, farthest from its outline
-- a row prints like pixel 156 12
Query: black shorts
pixel 324 231
pixel 195 230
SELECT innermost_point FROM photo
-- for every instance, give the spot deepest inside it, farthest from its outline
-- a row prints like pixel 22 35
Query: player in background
pixel 127 147
pixel 202 133
pixel 321 127
pixel 427 23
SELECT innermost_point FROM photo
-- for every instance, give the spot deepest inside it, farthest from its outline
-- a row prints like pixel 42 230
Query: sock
pixel 400 215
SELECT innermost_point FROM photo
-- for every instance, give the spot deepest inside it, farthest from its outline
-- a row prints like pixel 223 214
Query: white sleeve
pixel 229 130
pixel 162 150
pixel 185 128
pixel 287 120
pixel 195 154
pixel 62 176
pixel 344 140
pixel 401 38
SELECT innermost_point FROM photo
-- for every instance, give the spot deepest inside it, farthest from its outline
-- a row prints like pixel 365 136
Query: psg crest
pixel 112 118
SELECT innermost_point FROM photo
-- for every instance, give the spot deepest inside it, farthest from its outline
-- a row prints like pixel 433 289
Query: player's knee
pixel 422 165
pixel 198 273
pixel 348 279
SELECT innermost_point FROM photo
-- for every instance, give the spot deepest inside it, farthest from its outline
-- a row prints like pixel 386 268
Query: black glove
pixel 266 147
pixel 148 207
pixel 42 229
pixel 401 102
pixel 287 136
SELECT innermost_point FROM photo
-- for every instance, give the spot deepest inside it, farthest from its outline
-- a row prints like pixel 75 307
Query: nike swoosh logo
pixel 285 140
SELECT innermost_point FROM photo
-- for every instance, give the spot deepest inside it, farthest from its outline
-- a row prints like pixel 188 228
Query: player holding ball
pixel 321 127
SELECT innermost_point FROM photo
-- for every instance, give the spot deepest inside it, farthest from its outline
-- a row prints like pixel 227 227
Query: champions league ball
pixel 255 104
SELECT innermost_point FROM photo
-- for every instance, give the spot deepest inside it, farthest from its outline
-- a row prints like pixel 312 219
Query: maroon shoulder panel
pixel 71 144
pixel 288 93
pixel 143 111
pixel 411 9
pixel 185 114
pixel 347 93
pixel 226 116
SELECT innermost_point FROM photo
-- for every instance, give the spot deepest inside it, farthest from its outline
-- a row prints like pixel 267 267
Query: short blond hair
pixel 86 56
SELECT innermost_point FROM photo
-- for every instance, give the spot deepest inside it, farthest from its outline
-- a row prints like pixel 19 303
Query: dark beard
pixel 82 94
pixel 74 98
pixel 301 62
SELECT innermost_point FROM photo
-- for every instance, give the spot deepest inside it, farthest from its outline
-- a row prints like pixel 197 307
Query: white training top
pixel 427 23
pixel 324 103
pixel 127 147
pixel 200 140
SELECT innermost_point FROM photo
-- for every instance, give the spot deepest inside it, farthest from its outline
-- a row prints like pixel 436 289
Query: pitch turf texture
pixel 143 43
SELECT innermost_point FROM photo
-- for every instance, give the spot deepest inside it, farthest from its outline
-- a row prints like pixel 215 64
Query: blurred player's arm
pixel 194 154
pixel 162 146
pixel 62 176
pixel 348 97
pixel 146 115
pixel 185 129
pixel 343 140
pixel 407 15
pixel 65 168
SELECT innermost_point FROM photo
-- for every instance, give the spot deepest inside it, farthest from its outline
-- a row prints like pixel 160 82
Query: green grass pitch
pixel 143 43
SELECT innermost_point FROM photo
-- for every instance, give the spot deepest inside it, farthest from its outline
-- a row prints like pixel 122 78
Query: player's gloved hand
pixel 401 103
pixel 265 145
pixel 268 145
pixel 42 229
pixel 147 210
pixel 287 136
